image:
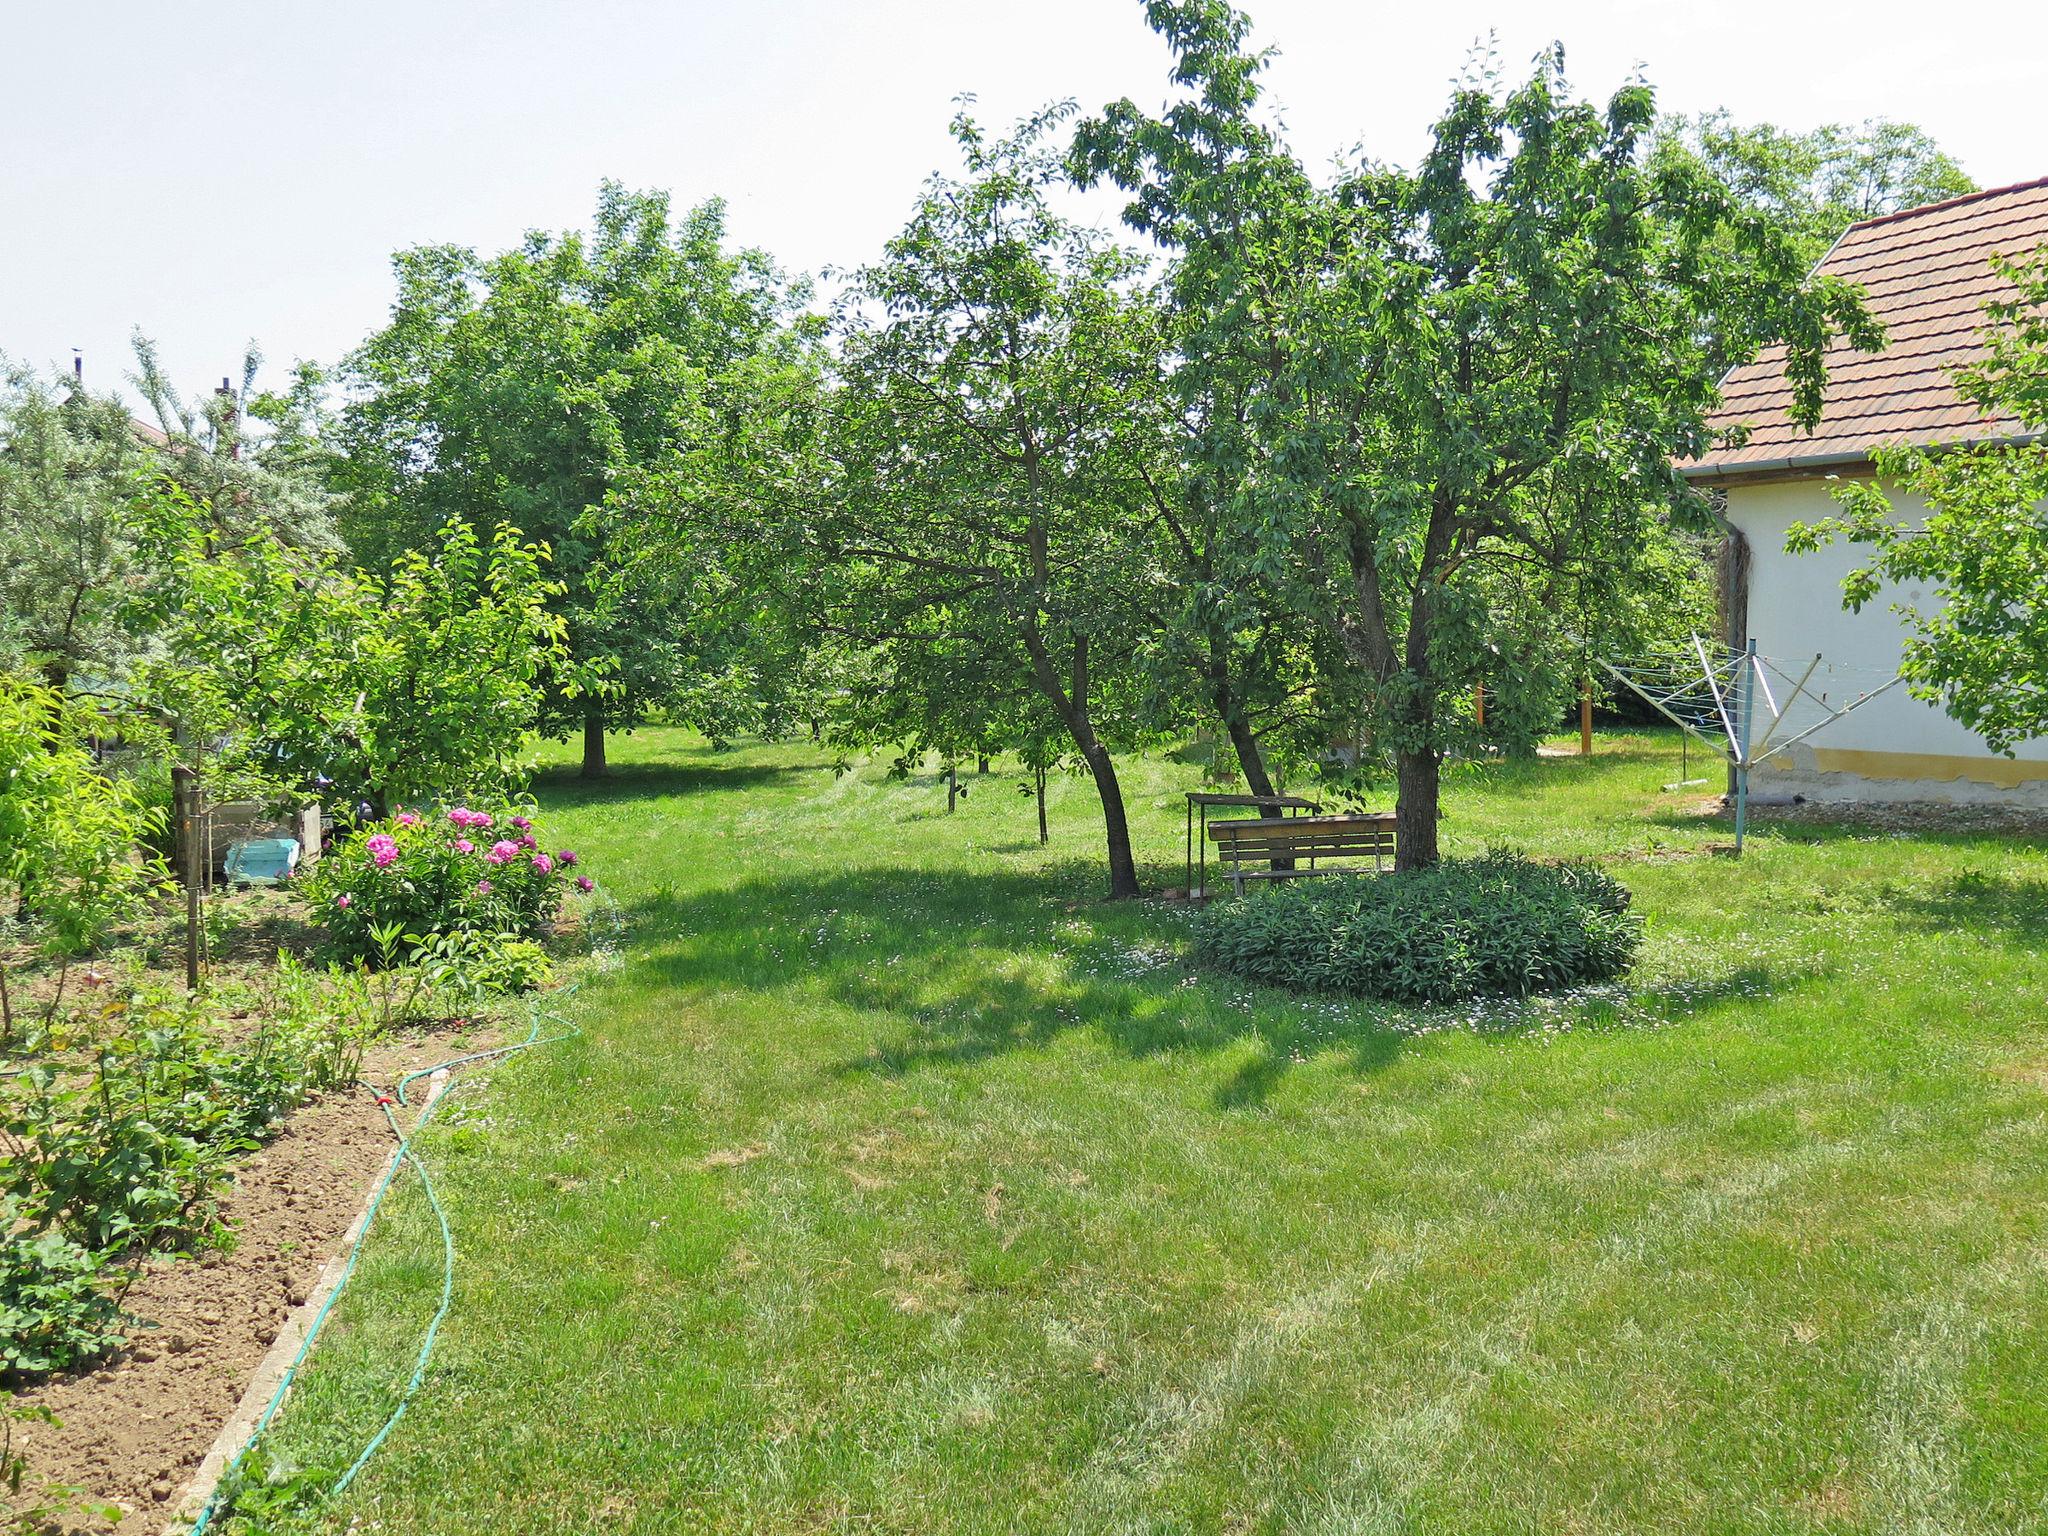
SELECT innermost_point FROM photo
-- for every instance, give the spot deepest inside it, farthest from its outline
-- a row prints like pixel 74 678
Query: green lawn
pixel 898 1184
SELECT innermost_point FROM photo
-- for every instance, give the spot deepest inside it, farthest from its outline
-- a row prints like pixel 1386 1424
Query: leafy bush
pixel 419 876
pixel 55 1312
pixel 66 831
pixel 420 682
pixel 1498 924
pixel 126 1148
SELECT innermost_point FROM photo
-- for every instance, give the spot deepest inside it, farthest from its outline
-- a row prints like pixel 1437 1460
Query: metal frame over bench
pixel 1205 801
pixel 1300 845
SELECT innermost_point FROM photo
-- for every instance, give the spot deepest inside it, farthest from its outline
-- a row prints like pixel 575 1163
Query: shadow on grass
pixel 2015 910
pixel 968 967
pixel 658 780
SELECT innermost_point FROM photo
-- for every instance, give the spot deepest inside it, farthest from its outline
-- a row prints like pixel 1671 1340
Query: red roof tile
pixel 1926 274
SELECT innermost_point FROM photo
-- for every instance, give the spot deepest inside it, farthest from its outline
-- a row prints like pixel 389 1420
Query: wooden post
pixel 1586 718
pixel 1479 705
pixel 952 787
pixel 185 813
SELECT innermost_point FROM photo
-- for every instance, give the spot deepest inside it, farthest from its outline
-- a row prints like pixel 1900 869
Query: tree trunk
pixel 981 764
pixel 1038 783
pixel 1123 870
pixel 1249 758
pixel 1418 777
pixel 1070 703
pixel 593 744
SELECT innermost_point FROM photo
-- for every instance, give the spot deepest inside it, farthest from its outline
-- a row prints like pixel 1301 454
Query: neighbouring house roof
pixel 1926 273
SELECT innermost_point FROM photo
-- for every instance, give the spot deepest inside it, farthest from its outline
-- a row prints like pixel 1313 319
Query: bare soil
pixel 133 1432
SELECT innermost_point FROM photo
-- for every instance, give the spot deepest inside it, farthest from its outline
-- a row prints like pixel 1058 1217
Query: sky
pixel 235 171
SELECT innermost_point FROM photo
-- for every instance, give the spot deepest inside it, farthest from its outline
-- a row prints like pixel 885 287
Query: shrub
pixel 1498 924
pixel 66 830
pixel 127 1148
pixel 55 1312
pixel 421 875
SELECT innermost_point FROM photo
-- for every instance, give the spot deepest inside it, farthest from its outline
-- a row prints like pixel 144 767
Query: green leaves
pixel 55 1313
pixel 554 388
pixel 67 831
pixel 1980 646
pixel 417 684
pixel 979 535
pixel 1464 928
pixel 1436 409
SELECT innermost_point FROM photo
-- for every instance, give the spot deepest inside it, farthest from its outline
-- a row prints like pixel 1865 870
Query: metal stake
pixel 1746 707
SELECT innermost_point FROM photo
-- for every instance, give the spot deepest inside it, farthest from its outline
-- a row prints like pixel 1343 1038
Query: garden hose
pixel 404 1155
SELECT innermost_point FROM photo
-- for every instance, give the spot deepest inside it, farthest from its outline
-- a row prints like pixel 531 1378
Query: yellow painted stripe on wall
pixel 2005 772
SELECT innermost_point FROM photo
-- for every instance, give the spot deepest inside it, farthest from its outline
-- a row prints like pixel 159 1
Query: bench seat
pixel 1301 845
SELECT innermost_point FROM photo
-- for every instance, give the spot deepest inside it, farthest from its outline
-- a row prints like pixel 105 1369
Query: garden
pixel 896 1183
pixel 604 926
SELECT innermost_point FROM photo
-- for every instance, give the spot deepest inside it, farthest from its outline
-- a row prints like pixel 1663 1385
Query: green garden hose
pixel 405 1154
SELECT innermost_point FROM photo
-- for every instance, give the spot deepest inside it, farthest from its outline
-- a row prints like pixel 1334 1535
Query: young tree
pixel 1489 361
pixel 981 489
pixel 67 832
pixel 520 389
pixel 1982 651
pixel 415 685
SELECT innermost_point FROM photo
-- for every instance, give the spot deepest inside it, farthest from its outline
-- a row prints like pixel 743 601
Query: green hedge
pixel 1467 927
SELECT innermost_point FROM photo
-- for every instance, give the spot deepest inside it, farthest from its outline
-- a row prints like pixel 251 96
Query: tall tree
pixel 70 464
pixel 1815 185
pixel 1487 362
pixel 1251 238
pixel 242 475
pixel 519 389
pixel 981 484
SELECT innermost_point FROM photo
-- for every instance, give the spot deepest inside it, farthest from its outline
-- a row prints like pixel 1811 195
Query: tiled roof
pixel 1926 273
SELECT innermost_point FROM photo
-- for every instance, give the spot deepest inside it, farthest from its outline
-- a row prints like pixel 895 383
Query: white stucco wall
pixel 1893 748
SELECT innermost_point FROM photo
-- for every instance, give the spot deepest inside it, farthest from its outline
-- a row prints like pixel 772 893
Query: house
pixel 1927 273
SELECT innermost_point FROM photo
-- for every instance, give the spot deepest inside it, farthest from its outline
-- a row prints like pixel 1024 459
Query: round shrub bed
pixel 1498 924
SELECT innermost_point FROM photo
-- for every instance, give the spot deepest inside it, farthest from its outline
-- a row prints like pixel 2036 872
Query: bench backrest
pixel 1305 837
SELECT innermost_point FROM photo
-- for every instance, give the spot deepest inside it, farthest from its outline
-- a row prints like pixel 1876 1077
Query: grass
pixel 897 1184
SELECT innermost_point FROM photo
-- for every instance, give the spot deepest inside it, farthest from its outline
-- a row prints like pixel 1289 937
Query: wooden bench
pixel 1301 845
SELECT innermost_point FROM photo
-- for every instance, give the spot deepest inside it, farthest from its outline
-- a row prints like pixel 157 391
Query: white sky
pixel 241 169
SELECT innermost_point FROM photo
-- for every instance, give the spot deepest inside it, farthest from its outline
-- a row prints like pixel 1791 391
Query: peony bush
pixel 425 874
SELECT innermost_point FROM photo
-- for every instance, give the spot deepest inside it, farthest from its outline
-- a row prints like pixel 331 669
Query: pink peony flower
pixel 407 819
pixel 463 845
pixel 460 816
pixel 383 850
pixel 543 863
pixel 585 883
pixel 521 823
pixel 566 858
pixel 483 887
pixel 503 852
pixel 527 843
pixel 479 819
pixel 344 901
